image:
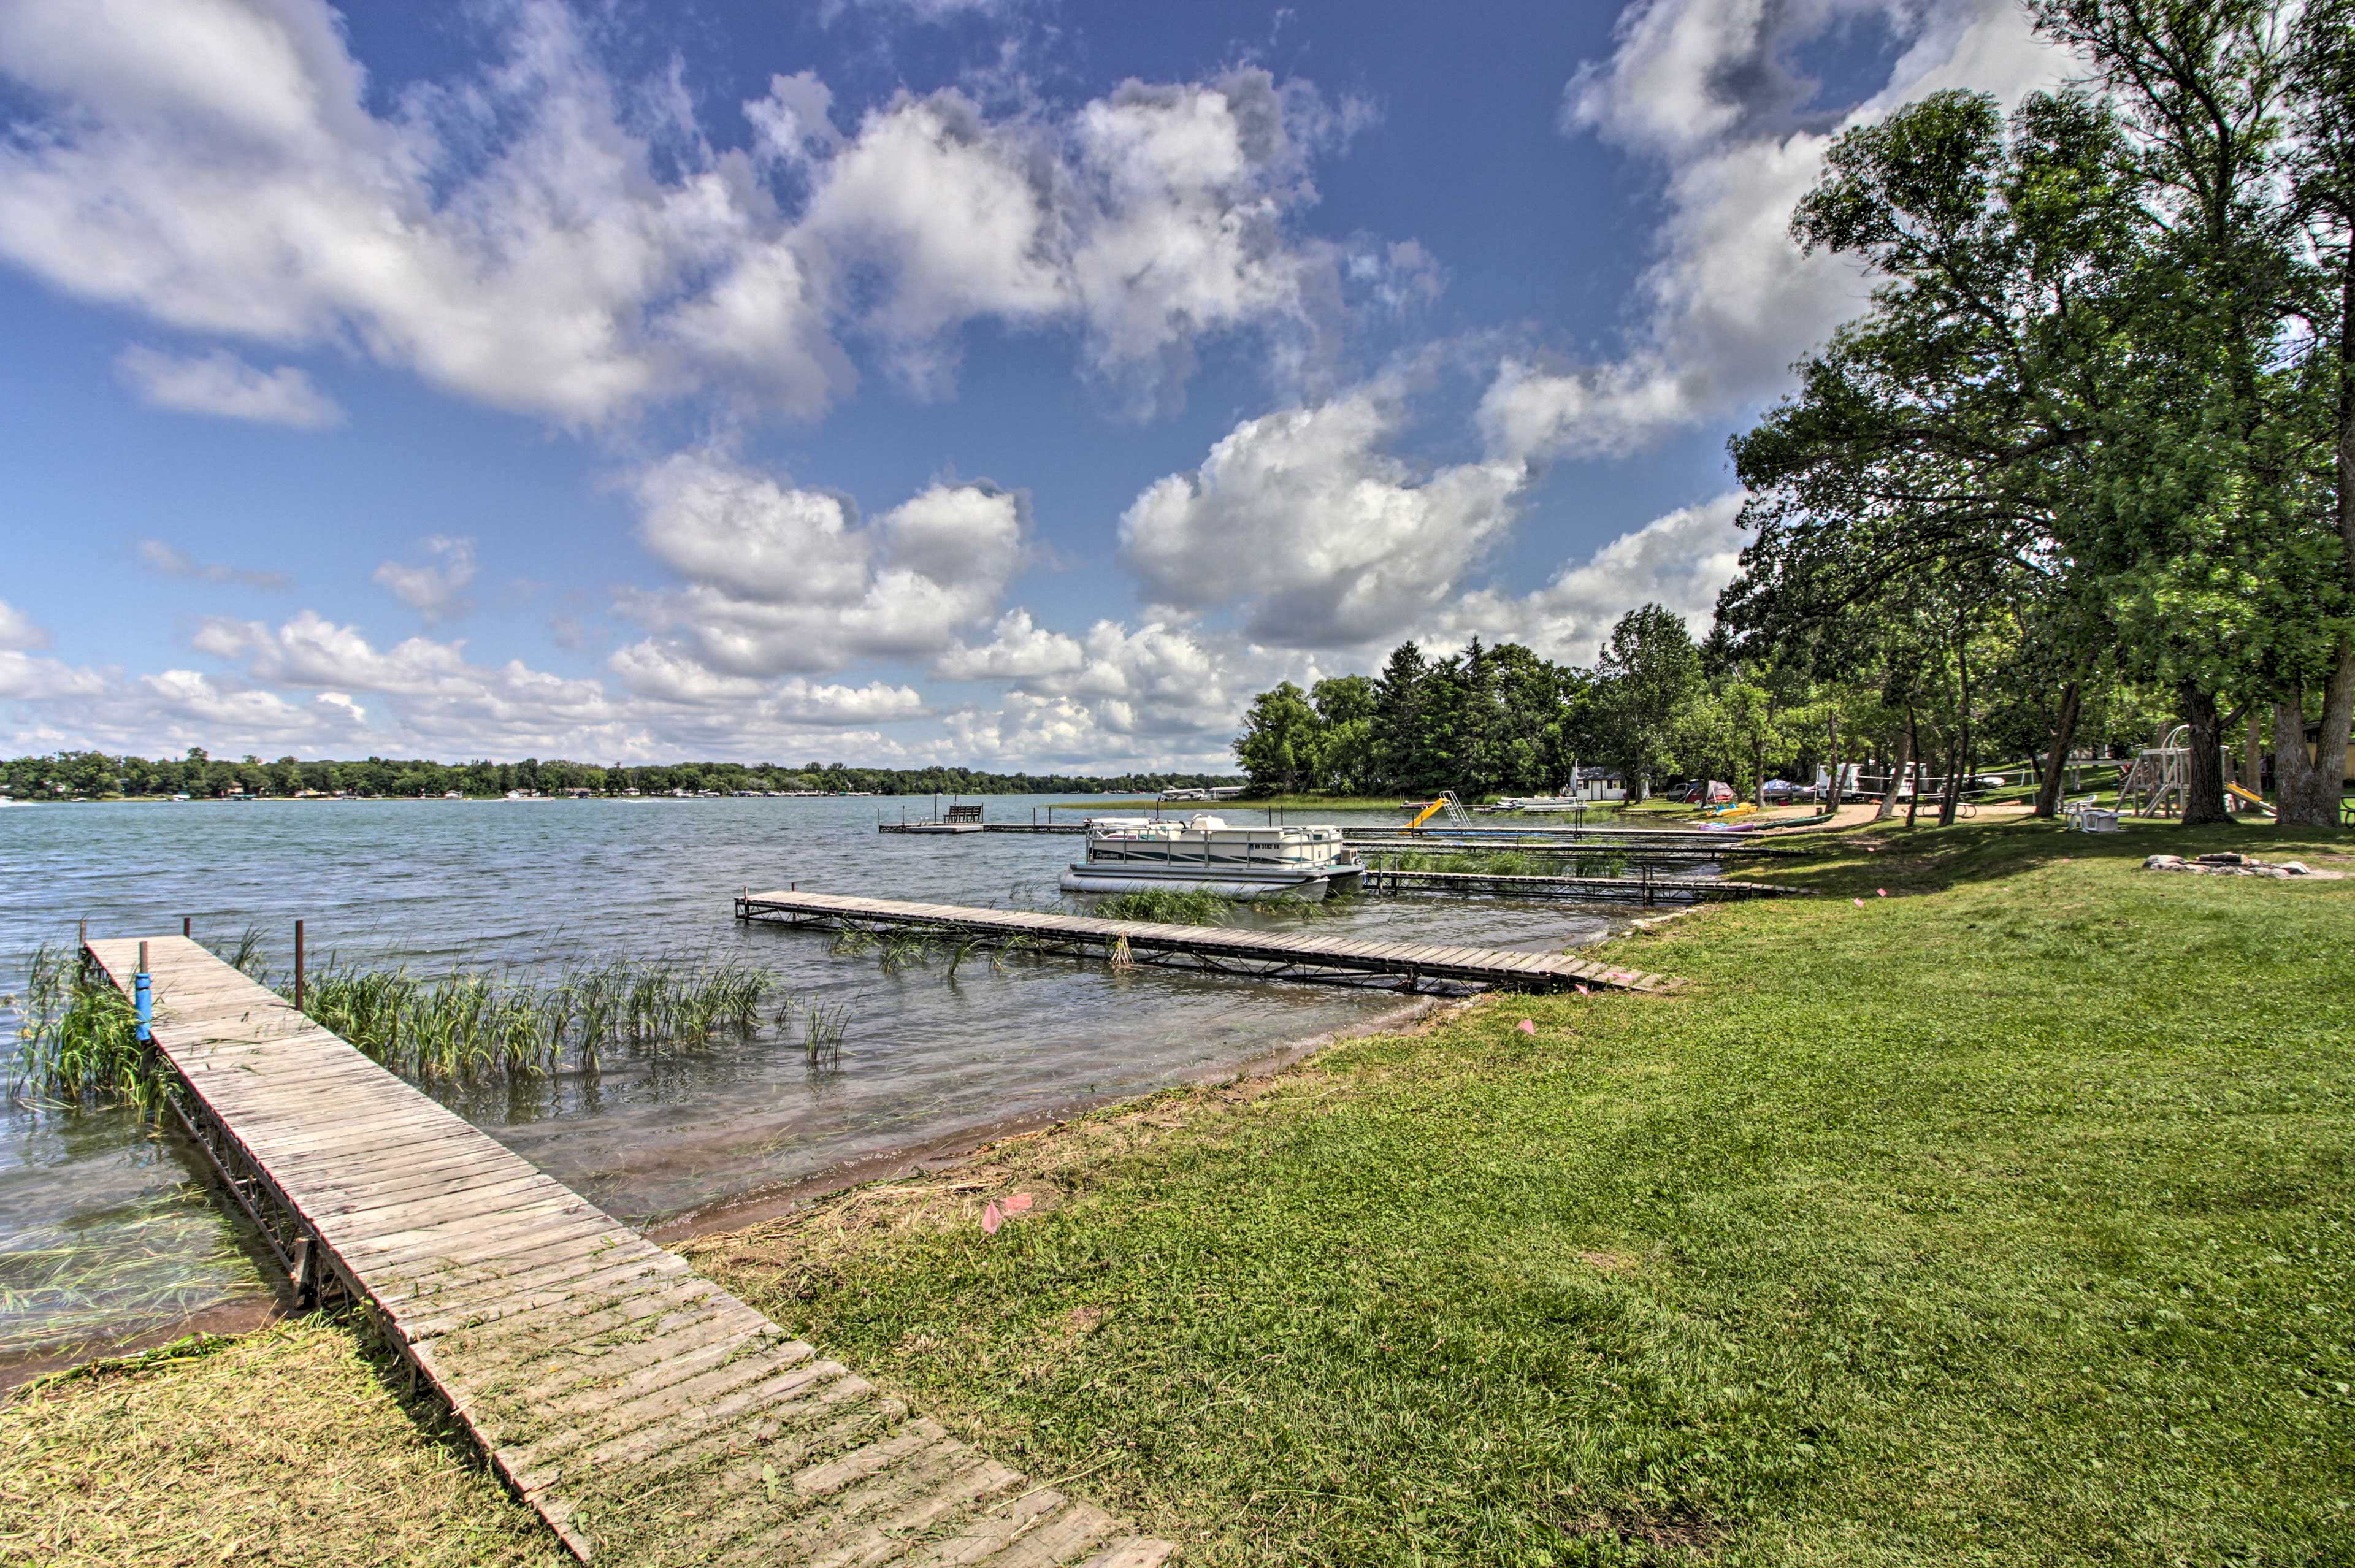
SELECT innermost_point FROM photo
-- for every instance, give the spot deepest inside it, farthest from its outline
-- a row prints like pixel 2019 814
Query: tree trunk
pixel 1953 793
pixel 1959 761
pixel 2064 736
pixel 1832 790
pixel 1897 771
pixel 2308 784
pixel 1913 744
pixel 2203 772
pixel 2252 753
pixel 1758 770
pixel 2326 774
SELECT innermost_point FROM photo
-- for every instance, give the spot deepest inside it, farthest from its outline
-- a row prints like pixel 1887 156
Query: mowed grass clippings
pixel 2007 1218
pixel 282 1446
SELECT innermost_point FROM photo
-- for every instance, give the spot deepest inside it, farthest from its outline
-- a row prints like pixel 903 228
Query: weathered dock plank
pixel 1265 953
pixel 1644 889
pixel 640 1409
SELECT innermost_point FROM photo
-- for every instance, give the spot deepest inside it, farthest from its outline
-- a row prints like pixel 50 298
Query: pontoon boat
pixel 1138 854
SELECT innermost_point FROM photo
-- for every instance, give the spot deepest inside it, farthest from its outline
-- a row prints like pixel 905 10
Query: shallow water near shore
pixel 108 1233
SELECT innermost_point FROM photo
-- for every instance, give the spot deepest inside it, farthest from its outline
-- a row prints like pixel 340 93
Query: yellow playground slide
pixel 2251 797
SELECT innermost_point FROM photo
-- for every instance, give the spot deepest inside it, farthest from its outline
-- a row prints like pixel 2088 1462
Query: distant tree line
pixel 1657 707
pixel 93 774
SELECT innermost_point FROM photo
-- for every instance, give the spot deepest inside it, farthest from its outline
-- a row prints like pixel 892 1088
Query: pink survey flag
pixel 1527 1026
pixel 1018 1204
pixel 1859 902
pixel 1583 991
pixel 991 1218
pixel 1882 891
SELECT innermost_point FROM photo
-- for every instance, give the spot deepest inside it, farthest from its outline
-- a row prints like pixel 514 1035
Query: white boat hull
pixel 1229 882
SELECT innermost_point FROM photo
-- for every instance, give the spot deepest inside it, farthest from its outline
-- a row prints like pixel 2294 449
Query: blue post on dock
pixel 143 999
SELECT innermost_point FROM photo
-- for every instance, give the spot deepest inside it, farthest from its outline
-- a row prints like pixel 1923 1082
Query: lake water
pixel 107 1230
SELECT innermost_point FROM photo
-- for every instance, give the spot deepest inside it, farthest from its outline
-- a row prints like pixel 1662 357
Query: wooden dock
pixel 1223 950
pixel 990 827
pixel 1643 887
pixel 649 1416
pixel 1694 849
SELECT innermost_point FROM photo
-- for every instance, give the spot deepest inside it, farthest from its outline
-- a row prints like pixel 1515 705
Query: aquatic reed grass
pixel 1482 862
pixel 248 955
pixel 1163 906
pixel 823 1025
pixel 75 1038
pixel 133 1266
pixel 471 1026
pixel 1332 906
pixel 905 949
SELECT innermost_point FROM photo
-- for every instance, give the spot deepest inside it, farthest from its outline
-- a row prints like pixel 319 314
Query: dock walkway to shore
pixel 1259 955
pixel 1644 888
pixel 647 1414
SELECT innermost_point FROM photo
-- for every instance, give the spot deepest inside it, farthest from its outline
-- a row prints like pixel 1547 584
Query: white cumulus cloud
pixel 19 630
pixel 435 589
pixel 521 236
pixel 784 579
pixel 173 562
pixel 1304 524
pixel 1681 560
pixel 1702 90
pixel 224 386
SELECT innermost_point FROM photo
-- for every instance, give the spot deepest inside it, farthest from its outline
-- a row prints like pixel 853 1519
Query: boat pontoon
pixel 1138 854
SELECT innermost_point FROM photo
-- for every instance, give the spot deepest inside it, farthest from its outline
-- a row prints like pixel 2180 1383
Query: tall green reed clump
pixel 1332 906
pixel 1165 906
pixel 75 1038
pixel 471 1026
pixel 1484 862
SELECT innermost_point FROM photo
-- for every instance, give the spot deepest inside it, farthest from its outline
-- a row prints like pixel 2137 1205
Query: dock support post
pixel 187 925
pixel 306 1274
pixel 298 966
pixel 143 999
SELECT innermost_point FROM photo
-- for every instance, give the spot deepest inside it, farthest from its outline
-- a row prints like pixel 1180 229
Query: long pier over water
pixel 648 1415
pixel 1225 950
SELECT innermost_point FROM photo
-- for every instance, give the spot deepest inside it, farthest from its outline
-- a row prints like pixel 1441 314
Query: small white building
pixel 1599 783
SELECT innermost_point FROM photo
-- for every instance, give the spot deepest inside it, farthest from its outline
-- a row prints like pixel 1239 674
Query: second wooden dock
pixel 1225 950
pixel 1643 887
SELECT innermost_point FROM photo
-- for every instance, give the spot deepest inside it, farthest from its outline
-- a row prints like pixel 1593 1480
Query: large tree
pixel 1278 744
pixel 1649 672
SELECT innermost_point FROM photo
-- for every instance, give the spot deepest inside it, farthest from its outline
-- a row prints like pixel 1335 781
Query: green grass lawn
pixel 2007 1219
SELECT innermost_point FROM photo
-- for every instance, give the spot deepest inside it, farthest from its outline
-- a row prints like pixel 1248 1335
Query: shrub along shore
pixel 2003 1218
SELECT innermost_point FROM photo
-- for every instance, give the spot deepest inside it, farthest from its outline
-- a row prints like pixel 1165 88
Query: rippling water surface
pixel 106 1231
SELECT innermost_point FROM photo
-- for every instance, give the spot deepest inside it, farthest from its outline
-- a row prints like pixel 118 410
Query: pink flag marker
pixel 1859 903
pixel 1019 1203
pixel 1882 891
pixel 1527 1027
pixel 991 1218
pixel 1583 990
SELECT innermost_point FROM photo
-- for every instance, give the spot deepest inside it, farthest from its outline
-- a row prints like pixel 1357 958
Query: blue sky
pixel 983 381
